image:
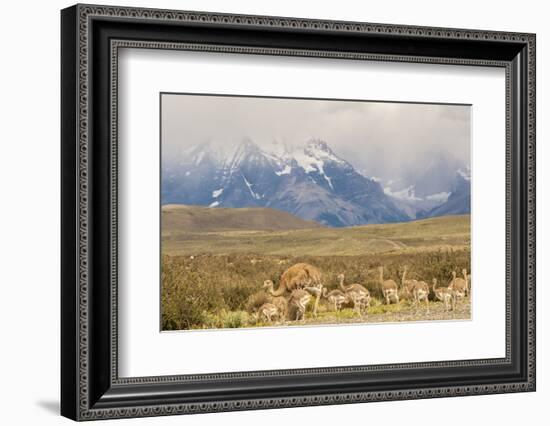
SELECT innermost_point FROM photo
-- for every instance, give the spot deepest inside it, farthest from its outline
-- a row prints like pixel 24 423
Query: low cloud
pixel 376 137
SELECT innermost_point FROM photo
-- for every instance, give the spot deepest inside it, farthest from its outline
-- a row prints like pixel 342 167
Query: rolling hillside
pixel 177 219
pixel 194 230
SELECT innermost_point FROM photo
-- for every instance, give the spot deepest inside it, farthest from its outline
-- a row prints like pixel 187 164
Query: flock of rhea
pixel 301 284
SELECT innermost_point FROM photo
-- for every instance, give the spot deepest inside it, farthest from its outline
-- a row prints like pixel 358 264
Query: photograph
pixel 283 212
pixel 242 184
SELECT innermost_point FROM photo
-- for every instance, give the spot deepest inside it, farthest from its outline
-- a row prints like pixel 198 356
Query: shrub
pixel 255 300
pixel 213 291
pixel 235 319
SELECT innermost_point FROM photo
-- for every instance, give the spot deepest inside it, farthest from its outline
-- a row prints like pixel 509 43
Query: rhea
pixel 297 277
pixel 268 311
pixel 335 297
pixel 388 287
pixel 297 301
pixel 421 292
pixel 297 304
pixel 408 285
pixel 446 295
pixel 300 276
pixel 459 285
pixel 358 294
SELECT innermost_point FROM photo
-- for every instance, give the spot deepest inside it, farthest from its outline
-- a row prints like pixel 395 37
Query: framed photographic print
pixel 263 212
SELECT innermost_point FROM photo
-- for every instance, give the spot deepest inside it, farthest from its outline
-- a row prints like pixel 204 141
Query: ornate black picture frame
pixel 91 36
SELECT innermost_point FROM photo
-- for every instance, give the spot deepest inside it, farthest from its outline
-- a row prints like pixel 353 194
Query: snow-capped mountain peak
pixel 318 145
pixel 309 181
pixel 314 157
pixel 246 150
pixel 320 150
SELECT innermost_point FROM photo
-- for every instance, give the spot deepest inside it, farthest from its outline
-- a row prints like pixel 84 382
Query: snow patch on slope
pixel 249 185
pixel 441 197
pixel 406 194
pixel 465 174
pixel 305 161
pixel 286 171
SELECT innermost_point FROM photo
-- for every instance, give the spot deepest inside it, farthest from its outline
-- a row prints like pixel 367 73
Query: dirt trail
pixel 436 312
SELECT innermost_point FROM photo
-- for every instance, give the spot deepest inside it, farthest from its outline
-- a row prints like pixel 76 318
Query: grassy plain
pixel 449 232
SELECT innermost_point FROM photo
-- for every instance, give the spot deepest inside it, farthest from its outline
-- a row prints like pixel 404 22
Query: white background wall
pixel 29 213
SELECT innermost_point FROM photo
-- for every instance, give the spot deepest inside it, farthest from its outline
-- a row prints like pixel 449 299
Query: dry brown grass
pixel 220 291
pixel 451 232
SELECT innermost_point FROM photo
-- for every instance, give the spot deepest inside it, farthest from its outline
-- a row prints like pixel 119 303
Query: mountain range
pixel 310 182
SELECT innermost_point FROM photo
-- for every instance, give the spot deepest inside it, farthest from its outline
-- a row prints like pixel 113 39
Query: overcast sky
pixel 370 135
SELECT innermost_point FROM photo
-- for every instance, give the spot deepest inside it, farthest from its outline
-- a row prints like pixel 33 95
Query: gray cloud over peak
pixel 376 137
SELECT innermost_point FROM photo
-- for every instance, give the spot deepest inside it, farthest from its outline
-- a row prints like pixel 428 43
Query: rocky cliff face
pixel 310 182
